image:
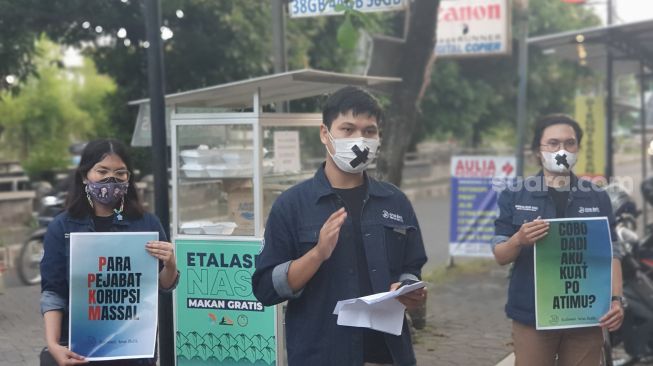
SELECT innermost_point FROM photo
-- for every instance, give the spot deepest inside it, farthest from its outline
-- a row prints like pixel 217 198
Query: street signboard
pixel 590 114
pixel 314 8
pixel 473 28
pixel 474 202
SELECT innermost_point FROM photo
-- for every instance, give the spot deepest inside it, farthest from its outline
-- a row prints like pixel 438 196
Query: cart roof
pixel 630 43
pixel 285 86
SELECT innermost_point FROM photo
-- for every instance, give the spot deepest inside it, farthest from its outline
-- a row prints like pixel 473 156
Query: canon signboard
pixel 473 28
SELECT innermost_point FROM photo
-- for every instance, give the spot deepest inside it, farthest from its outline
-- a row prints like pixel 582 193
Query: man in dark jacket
pixel 337 236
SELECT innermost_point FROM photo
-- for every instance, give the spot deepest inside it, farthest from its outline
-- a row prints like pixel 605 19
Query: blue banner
pixel 114 286
pixel 474 202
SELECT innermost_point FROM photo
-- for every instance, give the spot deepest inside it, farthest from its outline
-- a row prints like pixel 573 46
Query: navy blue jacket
pixel 55 271
pixel 519 204
pixel 393 248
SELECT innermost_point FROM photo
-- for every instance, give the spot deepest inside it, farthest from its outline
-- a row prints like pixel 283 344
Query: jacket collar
pixel 87 220
pixel 579 187
pixel 322 187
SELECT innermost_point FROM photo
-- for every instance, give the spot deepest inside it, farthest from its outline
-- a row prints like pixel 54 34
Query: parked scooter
pixel 31 252
pixel 636 332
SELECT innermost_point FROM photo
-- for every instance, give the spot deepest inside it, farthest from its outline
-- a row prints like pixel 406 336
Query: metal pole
pixel 279 41
pixel 278 36
pixel 159 162
pixel 609 108
pixel 642 121
pixel 522 68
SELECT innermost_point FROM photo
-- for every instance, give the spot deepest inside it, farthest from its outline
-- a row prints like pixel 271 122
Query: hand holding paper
pixel 382 311
pixel 413 299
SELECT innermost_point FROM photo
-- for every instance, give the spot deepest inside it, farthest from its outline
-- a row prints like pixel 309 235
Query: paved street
pixel 466 324
pixel 21 329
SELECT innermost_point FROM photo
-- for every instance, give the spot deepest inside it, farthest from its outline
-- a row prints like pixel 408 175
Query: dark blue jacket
pixel 524 202
pixel 393 248
pixel 55 271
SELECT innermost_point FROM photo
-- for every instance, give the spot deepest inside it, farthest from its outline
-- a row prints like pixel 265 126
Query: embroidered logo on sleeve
pixel 392 216
pixel 526 208
pixel 588 209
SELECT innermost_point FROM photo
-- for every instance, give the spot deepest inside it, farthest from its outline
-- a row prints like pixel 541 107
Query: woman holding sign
pixel 104 167
pixel 555 192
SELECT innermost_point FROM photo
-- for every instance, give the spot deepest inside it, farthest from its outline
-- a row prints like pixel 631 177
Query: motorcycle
pixel 31 251
pixel 636 332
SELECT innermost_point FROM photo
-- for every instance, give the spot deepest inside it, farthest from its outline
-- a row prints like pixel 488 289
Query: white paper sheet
pixel 382 311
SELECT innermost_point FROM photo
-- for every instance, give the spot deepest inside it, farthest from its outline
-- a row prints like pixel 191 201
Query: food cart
pixel 230 160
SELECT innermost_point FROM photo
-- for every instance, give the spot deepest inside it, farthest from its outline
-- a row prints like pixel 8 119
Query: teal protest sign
pixel 573 273
pixel 114 292
pixel 218 319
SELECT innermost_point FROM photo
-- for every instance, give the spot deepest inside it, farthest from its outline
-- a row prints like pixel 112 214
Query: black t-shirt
pixel 103 223
pixel 375 349
pixel 560 198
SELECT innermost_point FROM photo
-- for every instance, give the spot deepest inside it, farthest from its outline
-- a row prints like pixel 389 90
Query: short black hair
pixel 76 201
pixel 350 98
pixel 550 120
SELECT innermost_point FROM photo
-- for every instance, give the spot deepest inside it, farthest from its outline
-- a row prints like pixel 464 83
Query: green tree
pixel 52 110
pixel 473 98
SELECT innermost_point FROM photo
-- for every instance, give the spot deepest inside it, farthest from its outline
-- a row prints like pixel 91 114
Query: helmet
pixel 621 200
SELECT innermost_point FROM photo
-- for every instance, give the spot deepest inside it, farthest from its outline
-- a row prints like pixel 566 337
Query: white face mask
pixel 353 155
pixel 558 162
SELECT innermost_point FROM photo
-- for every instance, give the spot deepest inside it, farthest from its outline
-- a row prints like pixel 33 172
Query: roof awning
pixel 630 43
pixel 273 88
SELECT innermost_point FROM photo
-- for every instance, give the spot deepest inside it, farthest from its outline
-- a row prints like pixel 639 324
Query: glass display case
pixel 228 168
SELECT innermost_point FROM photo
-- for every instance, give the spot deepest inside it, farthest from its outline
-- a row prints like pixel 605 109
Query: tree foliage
pixel 470 99
pixel 52 109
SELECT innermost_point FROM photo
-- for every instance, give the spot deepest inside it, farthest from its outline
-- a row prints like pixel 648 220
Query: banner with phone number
pixel 313 8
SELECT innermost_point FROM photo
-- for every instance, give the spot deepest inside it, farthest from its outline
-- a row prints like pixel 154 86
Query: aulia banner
pixel 218 320
pixel 573 273
pixel 114 284
pixel 590 112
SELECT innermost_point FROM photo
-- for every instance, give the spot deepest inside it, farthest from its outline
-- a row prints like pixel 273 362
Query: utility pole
pixel 156 90
pixel 609 102
pixel 643 83
pixel 279 41
pixel 522 70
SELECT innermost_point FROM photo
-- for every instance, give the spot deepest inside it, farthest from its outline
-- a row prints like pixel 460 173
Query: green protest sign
pixel 573 273
pixel 218 321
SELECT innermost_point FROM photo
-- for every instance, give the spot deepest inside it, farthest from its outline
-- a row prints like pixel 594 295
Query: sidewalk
pixel 21 325
pixel 465 325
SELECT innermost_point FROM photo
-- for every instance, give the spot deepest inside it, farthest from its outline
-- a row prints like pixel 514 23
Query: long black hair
pixel 94 152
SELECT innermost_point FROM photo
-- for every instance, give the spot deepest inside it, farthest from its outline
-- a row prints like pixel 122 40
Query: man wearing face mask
pixel 554 193
pixel 337 236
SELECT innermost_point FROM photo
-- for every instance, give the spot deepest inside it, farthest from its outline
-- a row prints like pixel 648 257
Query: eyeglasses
pixel 554 145
pixel 105 175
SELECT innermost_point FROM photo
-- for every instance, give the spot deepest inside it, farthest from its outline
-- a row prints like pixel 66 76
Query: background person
pixel 555 192
pixel 104 166
pixel 337 236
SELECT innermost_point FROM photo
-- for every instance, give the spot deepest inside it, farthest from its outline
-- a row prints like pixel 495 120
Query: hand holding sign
pixel 530 232
pixel 161 250
pixel 63 356
pixel 612 319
